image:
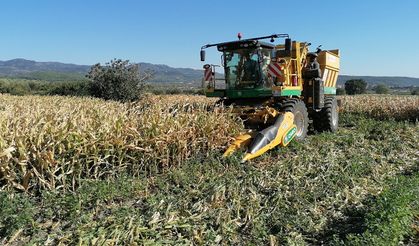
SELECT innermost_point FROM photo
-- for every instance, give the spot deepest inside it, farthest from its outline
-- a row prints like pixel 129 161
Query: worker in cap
pixel 249 68
pixel 312 63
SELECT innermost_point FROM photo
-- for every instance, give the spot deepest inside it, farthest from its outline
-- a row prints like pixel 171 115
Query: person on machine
pixel 312 62
pixel 312 68
pixel 249 68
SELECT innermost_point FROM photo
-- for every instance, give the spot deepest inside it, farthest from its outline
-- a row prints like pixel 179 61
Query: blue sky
pixel 375 37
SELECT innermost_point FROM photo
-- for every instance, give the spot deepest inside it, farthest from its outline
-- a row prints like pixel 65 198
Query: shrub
pixel 117 80
pixel 355 86
pixel 70 89
pixel 340 91
pixel 381 89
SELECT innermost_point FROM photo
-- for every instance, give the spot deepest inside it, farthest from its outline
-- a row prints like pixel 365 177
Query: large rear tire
pixel 299 109
pixel 328 118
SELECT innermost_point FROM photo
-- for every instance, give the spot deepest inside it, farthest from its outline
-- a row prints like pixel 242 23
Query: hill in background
pixel 21 66
pixel 57 71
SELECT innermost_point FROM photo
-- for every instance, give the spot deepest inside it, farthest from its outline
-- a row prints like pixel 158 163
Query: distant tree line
pixel 360 86
pixel 116 80
pixel 381 89
pixel 415 91
pixel 37 87
pixel 81 88
pixel 124 81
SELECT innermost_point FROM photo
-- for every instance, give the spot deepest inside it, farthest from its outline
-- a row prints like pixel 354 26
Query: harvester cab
pixel 278 89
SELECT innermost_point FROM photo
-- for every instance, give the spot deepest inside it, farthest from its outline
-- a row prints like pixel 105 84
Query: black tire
pixel 299 109
pixel 328 118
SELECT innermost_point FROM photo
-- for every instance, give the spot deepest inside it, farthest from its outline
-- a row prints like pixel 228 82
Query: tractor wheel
pixel 299 109
pixel 328 118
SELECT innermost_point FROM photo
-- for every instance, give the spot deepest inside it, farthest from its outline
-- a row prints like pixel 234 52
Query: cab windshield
pixel 242 69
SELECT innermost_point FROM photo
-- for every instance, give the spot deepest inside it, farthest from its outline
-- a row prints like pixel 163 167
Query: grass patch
pixel 392 217
pixel 16 212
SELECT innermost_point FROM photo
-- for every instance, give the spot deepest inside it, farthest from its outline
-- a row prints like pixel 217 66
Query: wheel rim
pixel 299 122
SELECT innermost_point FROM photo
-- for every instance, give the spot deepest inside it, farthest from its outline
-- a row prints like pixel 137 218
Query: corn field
pixel 97 172
pixel 51 142
pixel 383 107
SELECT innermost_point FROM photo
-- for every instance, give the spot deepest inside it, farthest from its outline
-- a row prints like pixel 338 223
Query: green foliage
pixel 340 91
pixel 19 89
pixel 117 80
pixel 70 89
pixel 175 90
pixel 16 212
pixel 15 86
pixel 22 87
pixel 415 91
pixel 387 80
pixel 355 86
pixel 52 76
pixel 381 89
pixel 391 215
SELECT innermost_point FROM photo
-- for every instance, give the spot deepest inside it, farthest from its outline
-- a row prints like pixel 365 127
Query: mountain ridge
pixel 23 68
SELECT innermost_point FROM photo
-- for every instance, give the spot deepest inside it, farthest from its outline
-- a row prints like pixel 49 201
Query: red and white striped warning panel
pixel 208 74
pixel 275 70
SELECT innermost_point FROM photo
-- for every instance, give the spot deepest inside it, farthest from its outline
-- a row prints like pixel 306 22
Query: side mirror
pixel 202 55
pixel 288 45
